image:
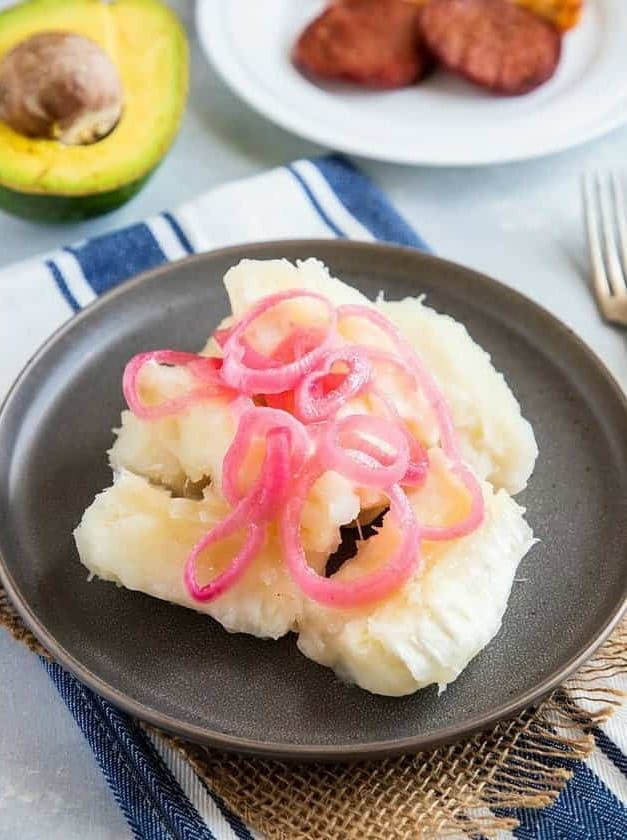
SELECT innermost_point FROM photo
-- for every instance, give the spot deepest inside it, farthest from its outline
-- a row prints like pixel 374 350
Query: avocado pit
pixel 61 86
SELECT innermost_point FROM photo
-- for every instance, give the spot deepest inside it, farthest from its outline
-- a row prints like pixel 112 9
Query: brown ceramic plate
pixel 180 670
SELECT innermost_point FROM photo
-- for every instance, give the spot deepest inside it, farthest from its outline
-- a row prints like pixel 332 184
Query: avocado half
pixel 47 180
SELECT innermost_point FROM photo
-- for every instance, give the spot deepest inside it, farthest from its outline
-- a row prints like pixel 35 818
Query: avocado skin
pixel 46 207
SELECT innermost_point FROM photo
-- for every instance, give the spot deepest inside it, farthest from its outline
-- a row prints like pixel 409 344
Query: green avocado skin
pixel 45 207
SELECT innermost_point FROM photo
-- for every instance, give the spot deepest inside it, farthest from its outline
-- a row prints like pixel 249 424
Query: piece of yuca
pixel 496 440
pixel 430 629
pixel 178 449
pixel 251 280
pixel 138 536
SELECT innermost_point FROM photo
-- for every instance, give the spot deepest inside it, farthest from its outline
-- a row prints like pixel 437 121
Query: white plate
pixel 444 120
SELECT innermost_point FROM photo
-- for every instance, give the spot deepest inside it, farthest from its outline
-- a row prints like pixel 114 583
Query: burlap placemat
pixel 446 792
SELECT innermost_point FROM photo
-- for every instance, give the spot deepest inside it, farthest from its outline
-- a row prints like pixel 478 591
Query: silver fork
pixel 606 223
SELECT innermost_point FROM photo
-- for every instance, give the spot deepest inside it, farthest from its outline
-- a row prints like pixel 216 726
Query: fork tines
pixel 606 222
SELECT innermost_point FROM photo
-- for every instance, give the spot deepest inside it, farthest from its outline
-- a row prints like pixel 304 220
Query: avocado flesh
pixel 44 179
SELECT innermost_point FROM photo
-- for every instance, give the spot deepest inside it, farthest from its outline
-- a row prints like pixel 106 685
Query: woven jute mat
pixel 447 792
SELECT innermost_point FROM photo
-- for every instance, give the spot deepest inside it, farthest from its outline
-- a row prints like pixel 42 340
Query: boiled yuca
pixel 496 440
pixel 430 629
pixel 170 480
pixel 138 536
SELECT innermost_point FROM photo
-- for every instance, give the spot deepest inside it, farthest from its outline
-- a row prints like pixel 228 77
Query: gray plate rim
pixel 308 752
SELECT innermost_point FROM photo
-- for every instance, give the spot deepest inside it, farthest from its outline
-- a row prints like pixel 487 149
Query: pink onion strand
pixel 314 402
pixel 255 380
pixel 260 422
pixel 355 592
pixel 252 513
pixel 471 521
pixel 363 460
pixel 204 369
pixel 425 380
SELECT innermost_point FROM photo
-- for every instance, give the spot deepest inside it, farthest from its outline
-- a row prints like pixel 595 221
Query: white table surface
pixel 520 223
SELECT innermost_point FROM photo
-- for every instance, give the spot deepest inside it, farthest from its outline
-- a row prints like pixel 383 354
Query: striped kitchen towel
pixel 161 794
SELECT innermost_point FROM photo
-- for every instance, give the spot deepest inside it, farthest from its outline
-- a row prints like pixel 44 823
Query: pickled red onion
pixel 418 465
pixel 269 491
pixel 471 521
pixel 284 401
pixel 256 535
pixel 312 404
pixel 364 461
pixel 355 592
pixel 425 380
pixel 252 513
pixel 252 358
pixel 206 369
pixel 300 341
pixel 220 336
pixel 273 380
pixel 261 422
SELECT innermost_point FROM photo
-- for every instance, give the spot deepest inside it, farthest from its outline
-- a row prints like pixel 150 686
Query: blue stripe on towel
pixel 108 260
pixel 178 232
pixel 586 809
pixel 610 749
pixel 366 202
pixel 316 204
pixel 150 798
pixel 62 286
pixel 238 826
